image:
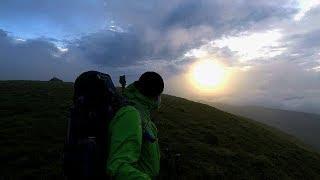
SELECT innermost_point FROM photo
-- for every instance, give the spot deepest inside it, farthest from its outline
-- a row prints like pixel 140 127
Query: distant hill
pixel 304 126
pixel 213 144
pixel 55 79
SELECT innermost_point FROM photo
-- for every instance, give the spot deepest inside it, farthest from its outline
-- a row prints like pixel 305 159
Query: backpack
pixel 95 103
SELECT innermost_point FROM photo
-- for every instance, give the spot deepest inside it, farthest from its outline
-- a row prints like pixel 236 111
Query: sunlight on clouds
pixel 304 7
pixel 198 53
pixel 245 68
pixel 208 76
pixel 20 40
pixel 252 46
pixel 62 49
pixel 316 69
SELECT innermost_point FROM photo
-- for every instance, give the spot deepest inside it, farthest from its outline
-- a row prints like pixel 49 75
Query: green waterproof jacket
pixel 132 156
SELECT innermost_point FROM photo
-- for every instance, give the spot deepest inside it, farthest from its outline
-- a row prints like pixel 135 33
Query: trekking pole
pixel 123 82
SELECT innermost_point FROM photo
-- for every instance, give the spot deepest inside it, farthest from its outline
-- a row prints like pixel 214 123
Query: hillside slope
pixel 304 126
pixel 212 143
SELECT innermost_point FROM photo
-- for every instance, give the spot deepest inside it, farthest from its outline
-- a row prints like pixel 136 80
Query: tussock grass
pixel 213 144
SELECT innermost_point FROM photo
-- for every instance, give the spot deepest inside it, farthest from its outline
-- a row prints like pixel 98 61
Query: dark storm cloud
pixel 110 48
pixel 31 59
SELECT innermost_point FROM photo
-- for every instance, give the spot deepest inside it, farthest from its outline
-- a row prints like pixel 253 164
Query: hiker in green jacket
pixel 134 150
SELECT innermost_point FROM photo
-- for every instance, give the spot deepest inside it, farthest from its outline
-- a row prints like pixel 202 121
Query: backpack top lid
pixel 94 88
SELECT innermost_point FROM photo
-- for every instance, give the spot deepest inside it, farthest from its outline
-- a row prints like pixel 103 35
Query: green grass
pixel 213 144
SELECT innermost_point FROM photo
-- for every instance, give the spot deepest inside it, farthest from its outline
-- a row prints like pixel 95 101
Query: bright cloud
pixel 62 49
pixel 255 45
pixel 317 68
pixel 305 6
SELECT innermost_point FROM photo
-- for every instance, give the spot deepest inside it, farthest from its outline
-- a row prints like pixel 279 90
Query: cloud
pixel 110 48
pixel 187 13
pixel 119 35
pixel 58 19
pixel 304 7
pixel 278 84
pixel 62 38
pixel 118 49
pixel 33 59
pixel 255 45
pixel 288 79
pixel 293 98
pixel 166 30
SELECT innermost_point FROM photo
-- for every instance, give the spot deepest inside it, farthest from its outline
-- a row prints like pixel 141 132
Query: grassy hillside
pixel 213 144
pixel 304 126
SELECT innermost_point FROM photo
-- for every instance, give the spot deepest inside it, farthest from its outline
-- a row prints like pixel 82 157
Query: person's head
pixel 150 84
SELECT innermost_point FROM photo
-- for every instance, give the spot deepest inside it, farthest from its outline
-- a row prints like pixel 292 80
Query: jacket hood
pixel 135 97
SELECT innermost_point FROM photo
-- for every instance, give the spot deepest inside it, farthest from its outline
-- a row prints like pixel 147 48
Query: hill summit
pixel 55 79
pixel 210 143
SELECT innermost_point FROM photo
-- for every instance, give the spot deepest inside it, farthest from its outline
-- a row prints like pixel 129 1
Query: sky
pixel 268 49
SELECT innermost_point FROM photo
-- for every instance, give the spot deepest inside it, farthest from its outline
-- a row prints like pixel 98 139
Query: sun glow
pixel 207 75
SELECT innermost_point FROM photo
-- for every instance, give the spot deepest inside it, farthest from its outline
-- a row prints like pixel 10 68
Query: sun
pixel 207 75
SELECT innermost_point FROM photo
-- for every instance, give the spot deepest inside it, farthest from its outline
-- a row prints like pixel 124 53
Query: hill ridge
pixel 304 126
pixel 213 144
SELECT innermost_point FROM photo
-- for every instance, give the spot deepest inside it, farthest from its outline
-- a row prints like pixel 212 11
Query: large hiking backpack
pixel 95 103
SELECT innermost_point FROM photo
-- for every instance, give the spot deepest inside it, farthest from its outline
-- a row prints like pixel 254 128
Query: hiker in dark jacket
pixel 134 149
